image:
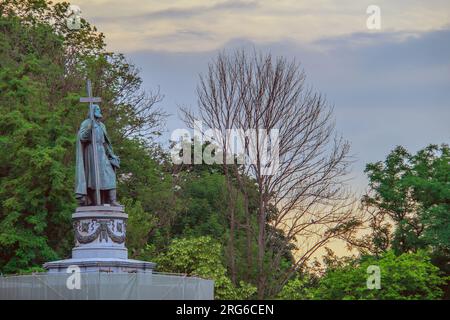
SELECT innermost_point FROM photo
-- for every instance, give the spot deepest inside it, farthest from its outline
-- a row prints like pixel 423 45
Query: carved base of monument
pixel 100 233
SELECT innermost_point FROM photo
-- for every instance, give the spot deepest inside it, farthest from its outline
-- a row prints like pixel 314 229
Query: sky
pixel 388 87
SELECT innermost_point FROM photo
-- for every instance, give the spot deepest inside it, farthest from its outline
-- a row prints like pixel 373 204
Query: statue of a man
pixel 108 162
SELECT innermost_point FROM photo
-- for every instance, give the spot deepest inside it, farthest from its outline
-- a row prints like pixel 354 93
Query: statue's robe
pixel 84 172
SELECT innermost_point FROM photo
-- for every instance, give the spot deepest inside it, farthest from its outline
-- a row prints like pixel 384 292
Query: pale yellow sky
pixel 202 25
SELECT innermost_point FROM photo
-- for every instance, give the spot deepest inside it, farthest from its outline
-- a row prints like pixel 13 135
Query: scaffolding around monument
pixel 105 286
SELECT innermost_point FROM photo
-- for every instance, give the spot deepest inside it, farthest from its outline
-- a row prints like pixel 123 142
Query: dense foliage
pixel 409 276
pixel 409 205
pixel 36 142
pixel 413 191
pixel 202 257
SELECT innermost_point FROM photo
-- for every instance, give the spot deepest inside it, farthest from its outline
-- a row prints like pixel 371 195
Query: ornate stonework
pixel 88 230
pixel 100 233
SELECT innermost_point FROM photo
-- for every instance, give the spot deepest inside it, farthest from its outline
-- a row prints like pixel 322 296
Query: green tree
pixel 408 276
pixel 430 185
pixel 202 257
pixel 204 211
pixel 296 289
pixel 413 191
pixel 149 196
pixel 35 201
pixel 409 204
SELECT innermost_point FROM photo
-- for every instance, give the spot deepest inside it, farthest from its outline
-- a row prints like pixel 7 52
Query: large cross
pixel 92 100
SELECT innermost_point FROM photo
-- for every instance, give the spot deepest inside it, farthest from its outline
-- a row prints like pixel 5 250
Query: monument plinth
pixel 100 233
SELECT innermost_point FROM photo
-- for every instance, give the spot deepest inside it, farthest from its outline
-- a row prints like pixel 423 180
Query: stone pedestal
pixel 100 233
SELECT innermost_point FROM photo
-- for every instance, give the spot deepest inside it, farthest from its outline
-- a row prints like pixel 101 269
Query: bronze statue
pixel 96 163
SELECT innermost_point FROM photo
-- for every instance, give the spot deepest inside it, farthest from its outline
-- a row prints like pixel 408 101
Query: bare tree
pixel 305 197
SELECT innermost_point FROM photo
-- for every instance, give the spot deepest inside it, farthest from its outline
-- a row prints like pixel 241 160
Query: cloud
pixel 186 12
pixel 185 35
pixel 393 89
pixel 153 24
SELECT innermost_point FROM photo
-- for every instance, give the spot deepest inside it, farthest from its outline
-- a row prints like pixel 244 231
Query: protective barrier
pixel 105 286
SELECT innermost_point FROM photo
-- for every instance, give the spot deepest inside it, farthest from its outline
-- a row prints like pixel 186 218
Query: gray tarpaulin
pixel 101 286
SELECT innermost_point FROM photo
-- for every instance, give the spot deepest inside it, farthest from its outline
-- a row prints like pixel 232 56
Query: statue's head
pixel 97 111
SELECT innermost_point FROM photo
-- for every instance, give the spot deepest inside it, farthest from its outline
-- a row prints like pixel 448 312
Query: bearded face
pixel 97 111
